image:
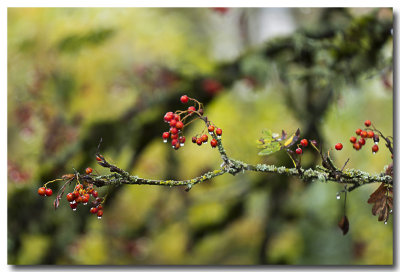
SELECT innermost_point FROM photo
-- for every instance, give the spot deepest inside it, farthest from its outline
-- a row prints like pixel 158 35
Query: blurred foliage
pixel 78 74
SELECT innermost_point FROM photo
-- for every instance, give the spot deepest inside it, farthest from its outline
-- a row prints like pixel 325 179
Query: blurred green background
pixel 78 74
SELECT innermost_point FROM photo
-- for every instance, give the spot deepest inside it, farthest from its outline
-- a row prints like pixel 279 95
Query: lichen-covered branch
pixel 354 177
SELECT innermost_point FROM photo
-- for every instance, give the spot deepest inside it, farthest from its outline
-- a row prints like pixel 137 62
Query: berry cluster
pixel 43 191
pixel 80 195
pixel 303 143
pixel 365 134
pixel 180 119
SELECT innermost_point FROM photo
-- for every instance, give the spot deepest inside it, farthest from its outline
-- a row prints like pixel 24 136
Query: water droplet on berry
pixel 211 133
pixel 85 203
pixel 219 137
pixel 74 209
pixel 337 196
pixel 385 222
pixel 390 211
pixel 181 144
pixel 98 217
pixel 373 153
pixel 165 140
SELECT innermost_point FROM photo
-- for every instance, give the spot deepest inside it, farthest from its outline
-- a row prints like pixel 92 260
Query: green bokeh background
pixel 70 69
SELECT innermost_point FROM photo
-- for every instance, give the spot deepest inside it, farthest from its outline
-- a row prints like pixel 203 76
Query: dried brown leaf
pixel 344 224
pixel 377 194
pixel 382 200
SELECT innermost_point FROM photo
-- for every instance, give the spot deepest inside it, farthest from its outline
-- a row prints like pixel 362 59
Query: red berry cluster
pixel 43 191
pixel 179 119
pixel 365 134
pixel 81 195
pixel 303 143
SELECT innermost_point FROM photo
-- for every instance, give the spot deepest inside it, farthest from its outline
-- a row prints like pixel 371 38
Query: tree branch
pixel 354 177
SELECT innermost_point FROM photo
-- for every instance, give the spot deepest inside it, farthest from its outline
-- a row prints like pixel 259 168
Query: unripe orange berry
pixel 356 146
pixel 89 170
pixel 42 191
pixel 367 123
pixel 364 134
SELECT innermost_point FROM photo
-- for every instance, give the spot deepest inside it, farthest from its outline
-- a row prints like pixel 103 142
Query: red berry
pixel 218 131
pixel 100 213
pixel 191 109
pixel 174 130
pixel 172 123
pixel 356 146
pixel 93 210
pixel 165 135
pixel 79 199
pixel 204 138
pixel 179 125
pixel 95 194
pixel 182 139
pixel 85 198
pixel 70 197
pixel 184 98
pixel 361 141
pixel 299 151
pixel 194 139
pixel 210 128
pixel 177 117
pixel 213 143
pixel 49 192
pixel 353 139
pixel 76 194
pixel 338 146
pixel 358 131
pixel 174 136
pixel 370 134
pixel 367 123
pixel 168 116
pixel 364 134
pixel 304 142
pixel 89 170
pixel 174 142
pixel 42 191
pixel 78 187
pixel 73 205
pixel 99 207
pixel 199 141
pixel 375 148
pixel 98 158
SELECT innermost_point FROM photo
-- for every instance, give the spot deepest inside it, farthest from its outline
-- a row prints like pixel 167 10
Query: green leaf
pixel 270 148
